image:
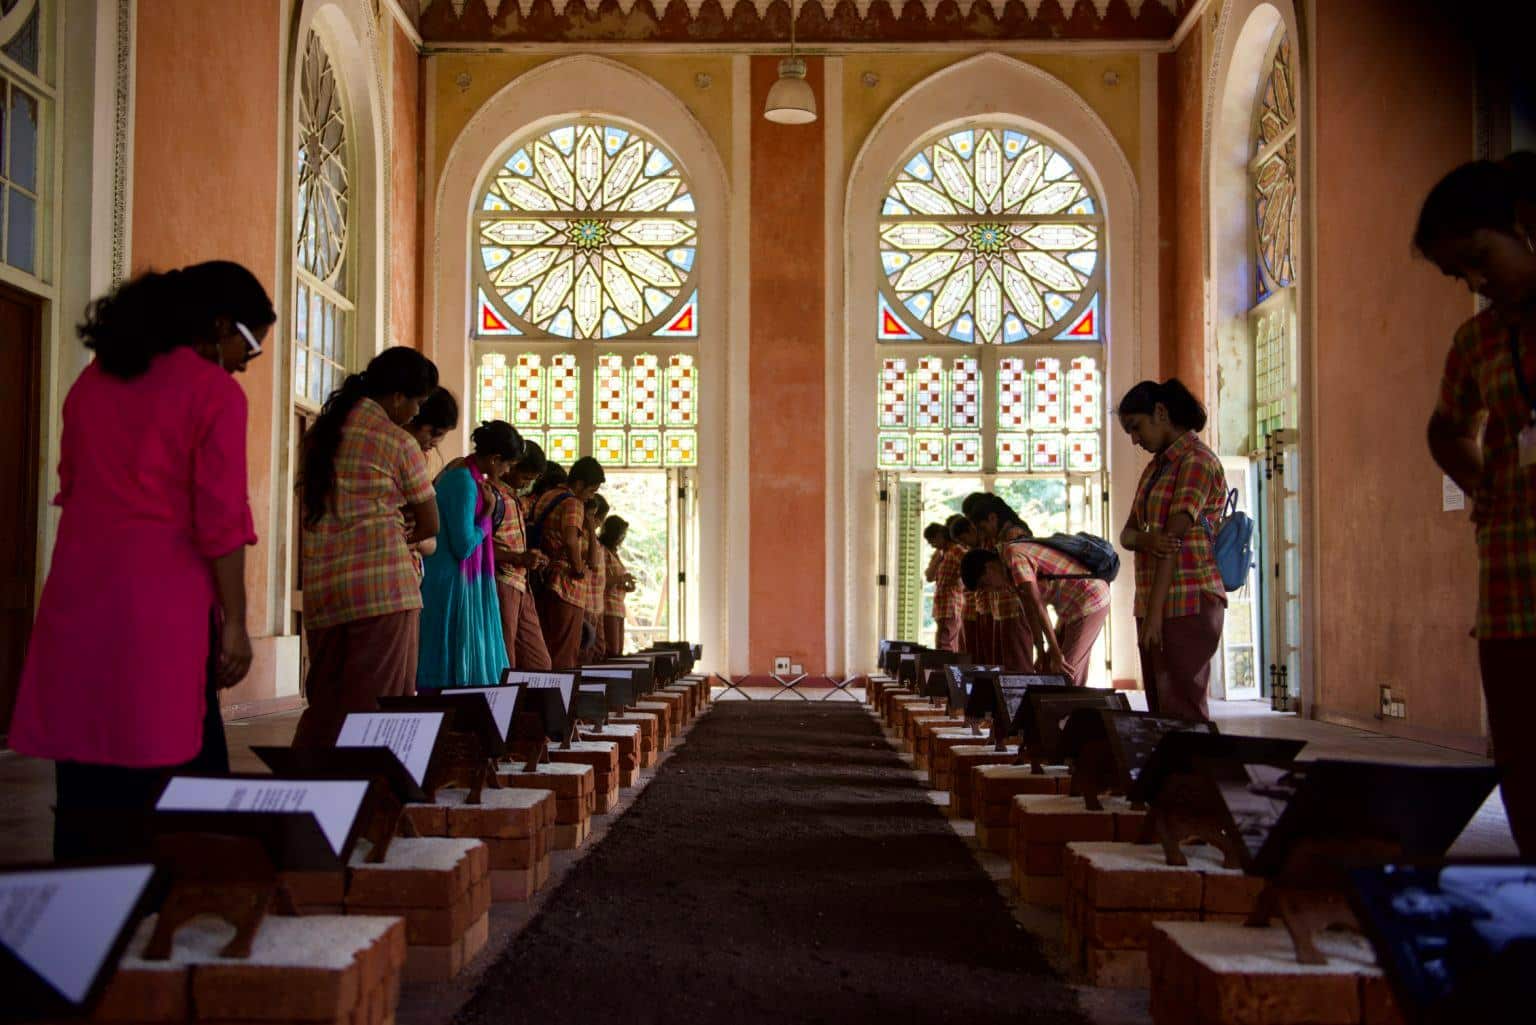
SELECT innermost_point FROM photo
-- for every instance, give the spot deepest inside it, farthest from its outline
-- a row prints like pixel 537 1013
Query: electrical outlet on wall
pixel 781 665
pixel 1386 702
pixel 796 670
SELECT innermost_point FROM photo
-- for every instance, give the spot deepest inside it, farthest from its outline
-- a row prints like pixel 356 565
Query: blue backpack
pixel 1232 544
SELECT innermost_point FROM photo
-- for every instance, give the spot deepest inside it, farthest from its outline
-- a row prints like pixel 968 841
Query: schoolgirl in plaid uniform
pixel 1042 576
pixel 1477 225
pixel 363 478
pixel 948 593
pixel 1180 601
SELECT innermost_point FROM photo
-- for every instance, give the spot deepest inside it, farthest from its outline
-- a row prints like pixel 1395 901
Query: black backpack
pixel 1097 555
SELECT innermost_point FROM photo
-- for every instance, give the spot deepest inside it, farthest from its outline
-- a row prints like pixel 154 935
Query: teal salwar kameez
pixel 461 638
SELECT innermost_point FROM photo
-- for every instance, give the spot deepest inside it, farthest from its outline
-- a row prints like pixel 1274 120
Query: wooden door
pixel 21 345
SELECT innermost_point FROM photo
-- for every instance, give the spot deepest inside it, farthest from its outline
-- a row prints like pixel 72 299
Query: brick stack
pixel 909 712
pixel 923 729
pixel 677 708
pixel 1116 891
pixel 574 787
pixel 317 970
pixel 650 734
pixel 666 725
pixel 963 758
pixel 517 825
pixel 1043 825
pixel 1213 973
pixel 994 788
pixel 626 738
pixel 441 887
pixel 940 743
pixel 603 757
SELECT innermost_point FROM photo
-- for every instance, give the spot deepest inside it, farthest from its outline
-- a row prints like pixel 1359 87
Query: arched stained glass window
pixel 585 296
pixel 324 303
pixel 1273 173
pixel 989 311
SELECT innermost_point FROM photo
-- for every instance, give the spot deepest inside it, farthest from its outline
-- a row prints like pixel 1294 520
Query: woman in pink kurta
pixel 143 613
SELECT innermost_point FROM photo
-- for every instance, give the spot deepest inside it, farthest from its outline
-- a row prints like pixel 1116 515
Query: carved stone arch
pixel 998 88
pixel 591 86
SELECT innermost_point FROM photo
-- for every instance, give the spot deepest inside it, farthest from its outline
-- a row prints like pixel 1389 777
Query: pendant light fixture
pixel 791 101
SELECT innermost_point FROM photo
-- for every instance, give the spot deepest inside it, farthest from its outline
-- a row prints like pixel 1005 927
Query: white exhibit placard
pixel 501 699
pixel 607 673
pixel 334 803
pixel 62 923
pixel 410 735
pixel 565 683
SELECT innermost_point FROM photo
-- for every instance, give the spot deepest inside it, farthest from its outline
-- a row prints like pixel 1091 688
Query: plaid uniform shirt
pixel 570 515
pixel 613 597
pixel 357 564
pixel 1186 477
pixel 1480 379
pixel 597 580
pixel 948 589
pixel 1004 604
pixel 1072 599
pixel 513 535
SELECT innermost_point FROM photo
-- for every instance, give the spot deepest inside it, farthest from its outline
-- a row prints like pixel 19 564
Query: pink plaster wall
pixel 787 360
pixel 405 215
pixel 1397 582
pixel 205 181
pixel 1181 239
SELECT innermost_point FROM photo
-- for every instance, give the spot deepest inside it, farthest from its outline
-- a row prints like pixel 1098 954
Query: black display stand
pixel 468 746
pixel 620 681
pixel 1309 830
pixel 1108 749
pixel 25 992
pixel 384 812
pixel 1040 716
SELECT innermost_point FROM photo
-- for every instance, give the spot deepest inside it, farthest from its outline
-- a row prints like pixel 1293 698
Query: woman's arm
pixel 1456 452
pixel 1040 625
pixel 456 497
pixel 234 641
pixel 1177 526
pixel 423 520
pixel 932 572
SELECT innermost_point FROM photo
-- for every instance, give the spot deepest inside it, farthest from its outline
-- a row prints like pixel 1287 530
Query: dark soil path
pixel 784 867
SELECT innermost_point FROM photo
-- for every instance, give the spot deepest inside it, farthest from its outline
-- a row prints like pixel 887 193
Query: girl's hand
pixel 428 546
pixel 1152 631
pixel 1159 544
pixel 234 655
pixel 1055 665
pixel 629 582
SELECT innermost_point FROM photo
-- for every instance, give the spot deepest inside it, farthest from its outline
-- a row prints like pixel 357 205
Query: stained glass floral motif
pixel 322 303
pixel 321 213
pixel 987 235
pixel 1274 174
pixel 589 231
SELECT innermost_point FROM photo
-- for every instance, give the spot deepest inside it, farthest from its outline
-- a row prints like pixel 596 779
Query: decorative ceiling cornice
pixel 826 22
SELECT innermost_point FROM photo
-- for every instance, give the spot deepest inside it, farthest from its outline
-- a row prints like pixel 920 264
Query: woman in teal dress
pixel 461 637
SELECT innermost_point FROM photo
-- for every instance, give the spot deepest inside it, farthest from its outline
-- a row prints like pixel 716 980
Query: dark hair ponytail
pixel 155 313
pixel 395 371
pixel 497 438
pixel 1183 408
pixel 978 505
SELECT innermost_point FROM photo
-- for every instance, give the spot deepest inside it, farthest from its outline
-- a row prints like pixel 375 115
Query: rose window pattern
pixel 1274 175
pixel 989 235
pixel 644 407
pixel 1048 414
pixel 587 231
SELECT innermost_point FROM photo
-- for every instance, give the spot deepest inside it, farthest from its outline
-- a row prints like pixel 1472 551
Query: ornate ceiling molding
pixel 827 22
